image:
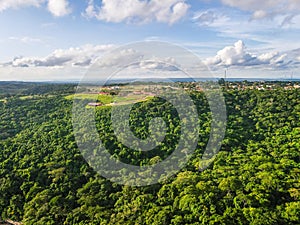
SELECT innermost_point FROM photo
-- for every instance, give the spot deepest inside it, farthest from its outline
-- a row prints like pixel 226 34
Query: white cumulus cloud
pixel 79 56
pixel 238 55
pixel 138 11
pixel 59 7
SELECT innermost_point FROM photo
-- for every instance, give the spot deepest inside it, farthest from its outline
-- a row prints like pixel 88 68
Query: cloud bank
pixel 74 62
pixel 84 56
pixel 88 55
pixel 80 56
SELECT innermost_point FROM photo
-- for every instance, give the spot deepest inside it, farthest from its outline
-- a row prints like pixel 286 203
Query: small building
pixel 95 104
pixel 104 93
pixel 296 86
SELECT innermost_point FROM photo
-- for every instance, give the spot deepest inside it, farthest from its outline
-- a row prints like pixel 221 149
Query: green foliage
pixel 255 179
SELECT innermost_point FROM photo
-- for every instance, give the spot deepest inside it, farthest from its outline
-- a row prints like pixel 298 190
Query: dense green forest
pixel 255 178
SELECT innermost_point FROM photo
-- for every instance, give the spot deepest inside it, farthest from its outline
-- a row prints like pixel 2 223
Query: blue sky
pixel 60 39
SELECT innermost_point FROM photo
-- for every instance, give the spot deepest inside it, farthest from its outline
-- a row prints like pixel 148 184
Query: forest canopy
pixel 255 178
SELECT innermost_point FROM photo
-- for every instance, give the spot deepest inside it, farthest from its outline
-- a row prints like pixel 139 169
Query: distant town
pixel 120 94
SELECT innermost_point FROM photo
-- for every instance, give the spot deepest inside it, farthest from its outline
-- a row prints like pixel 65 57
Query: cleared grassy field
pixel 105 99
pixel 109 100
